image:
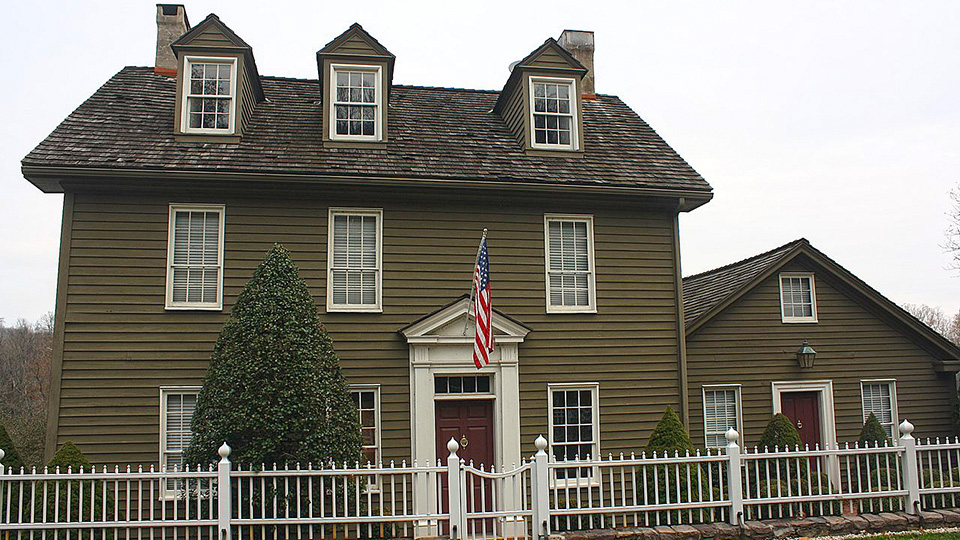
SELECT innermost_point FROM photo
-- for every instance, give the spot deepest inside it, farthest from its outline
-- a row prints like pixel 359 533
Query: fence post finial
pixel 541 444
pixel 457 493
pixel 540 490
pixel 910 471
pixel 734 474
pixel 224 499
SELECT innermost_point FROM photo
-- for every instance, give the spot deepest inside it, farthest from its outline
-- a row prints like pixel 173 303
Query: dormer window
pixel 356 103
pixel 209 96
pixel 554 113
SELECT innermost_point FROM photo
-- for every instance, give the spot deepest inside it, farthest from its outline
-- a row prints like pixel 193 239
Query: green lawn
pixel 916 536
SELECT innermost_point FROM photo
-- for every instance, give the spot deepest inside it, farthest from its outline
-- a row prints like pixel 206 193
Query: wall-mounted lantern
pixel 806 355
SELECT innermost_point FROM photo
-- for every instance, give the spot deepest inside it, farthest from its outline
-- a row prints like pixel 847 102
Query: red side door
pixel 803 408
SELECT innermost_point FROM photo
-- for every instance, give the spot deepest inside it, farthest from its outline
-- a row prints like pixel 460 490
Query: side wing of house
pixel 743 364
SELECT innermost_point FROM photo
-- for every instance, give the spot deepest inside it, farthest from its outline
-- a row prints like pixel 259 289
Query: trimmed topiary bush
pixel 274 391
pixel 779 433
pixel 11 458
pixel 66 500
pixel 669 436
pixel 872 433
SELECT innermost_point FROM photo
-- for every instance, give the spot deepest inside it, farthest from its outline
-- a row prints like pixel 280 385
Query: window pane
pixel 196 256
pixel 572 427
pixel 354 261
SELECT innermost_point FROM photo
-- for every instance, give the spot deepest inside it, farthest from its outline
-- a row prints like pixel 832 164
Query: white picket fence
pixel 459 500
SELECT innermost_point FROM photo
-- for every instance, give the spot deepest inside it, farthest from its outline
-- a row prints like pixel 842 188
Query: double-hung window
pixel 209 95
pixel 195 257
pixel 177 405
pixel 569 260
pixel 554 113
pixel 367 399
pixel 798 297
pixel 721 412
pixel 574 425
pixel 354 260
pixel 880 398
pixel 356 103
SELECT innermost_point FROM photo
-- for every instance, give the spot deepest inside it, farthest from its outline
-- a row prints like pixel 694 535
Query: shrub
pixel 779 433
pixel 11 458
pixel 669 436
pixel 63 496
pixel 274 390
pixel 872 433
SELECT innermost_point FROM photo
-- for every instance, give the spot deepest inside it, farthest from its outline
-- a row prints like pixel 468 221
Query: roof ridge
pixel 790 244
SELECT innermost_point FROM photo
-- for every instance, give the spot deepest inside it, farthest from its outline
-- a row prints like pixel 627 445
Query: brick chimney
pixel 579 43
pixel 171 24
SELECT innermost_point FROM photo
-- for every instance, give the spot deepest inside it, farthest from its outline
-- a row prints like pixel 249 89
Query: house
pixel 747 322
pixel 177 179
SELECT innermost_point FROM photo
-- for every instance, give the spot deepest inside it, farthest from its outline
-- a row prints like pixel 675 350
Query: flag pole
pixel 466 320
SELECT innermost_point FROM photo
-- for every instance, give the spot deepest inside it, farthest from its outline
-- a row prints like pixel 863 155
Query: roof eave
pixel 49 180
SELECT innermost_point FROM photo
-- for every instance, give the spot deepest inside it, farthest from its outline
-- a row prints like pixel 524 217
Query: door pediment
pixel 454 323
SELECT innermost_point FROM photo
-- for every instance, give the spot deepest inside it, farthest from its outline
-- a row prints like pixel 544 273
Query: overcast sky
pixel 834 121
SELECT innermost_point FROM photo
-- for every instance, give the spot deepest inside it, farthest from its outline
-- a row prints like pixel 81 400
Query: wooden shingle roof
pixel 436 133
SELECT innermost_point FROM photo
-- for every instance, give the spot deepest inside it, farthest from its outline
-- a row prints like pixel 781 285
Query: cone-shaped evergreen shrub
pixel 274 391
pixel 63 496
pixel 872 432
pixel 11 458
pixel 780 432
pixel 669 436
pixel 69 456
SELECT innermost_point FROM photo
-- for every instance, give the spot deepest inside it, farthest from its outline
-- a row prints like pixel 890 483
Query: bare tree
pixel 952 244
pixel 934 317
pixel 26 353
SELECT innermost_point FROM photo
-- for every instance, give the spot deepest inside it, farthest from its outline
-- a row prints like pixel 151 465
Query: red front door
pixel 470 423
pixel 467 421
pixel 803 408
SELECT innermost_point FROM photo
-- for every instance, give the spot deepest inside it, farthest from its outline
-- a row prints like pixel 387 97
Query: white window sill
pixel 562 310
pixel 555 147
pixel 798 320
pixel 346 309
pixel 193 307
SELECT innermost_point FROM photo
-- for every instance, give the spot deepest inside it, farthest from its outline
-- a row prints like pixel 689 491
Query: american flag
pixel 482 311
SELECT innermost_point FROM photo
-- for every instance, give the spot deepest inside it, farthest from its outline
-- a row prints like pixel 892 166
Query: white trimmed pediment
pixel 453 323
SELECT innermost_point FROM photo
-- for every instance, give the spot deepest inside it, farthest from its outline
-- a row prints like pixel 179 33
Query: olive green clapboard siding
pixel 748 344
pixel 120 344
pixel 355 45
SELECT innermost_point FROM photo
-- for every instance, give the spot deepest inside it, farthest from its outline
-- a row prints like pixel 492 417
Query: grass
pixel 915 536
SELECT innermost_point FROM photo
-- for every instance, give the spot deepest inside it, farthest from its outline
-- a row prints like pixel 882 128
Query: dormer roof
pixel 355 41
pixel 549 57
pixel 213 36
pixel 357 45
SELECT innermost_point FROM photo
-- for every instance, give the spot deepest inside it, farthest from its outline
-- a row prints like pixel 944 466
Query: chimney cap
pixel 576 38
pixel 173 10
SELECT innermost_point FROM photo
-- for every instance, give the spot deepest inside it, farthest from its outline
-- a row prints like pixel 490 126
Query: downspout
pixel 681 329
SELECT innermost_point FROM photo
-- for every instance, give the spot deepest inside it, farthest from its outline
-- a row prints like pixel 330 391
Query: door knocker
pixel 463 441
pixel 799 424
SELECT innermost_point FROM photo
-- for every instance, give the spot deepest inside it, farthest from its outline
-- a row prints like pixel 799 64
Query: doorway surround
pixel 441 343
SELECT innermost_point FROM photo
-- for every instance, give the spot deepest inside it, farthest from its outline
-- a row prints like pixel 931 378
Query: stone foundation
pixel 776 528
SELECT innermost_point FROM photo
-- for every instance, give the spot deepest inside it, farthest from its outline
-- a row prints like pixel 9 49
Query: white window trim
pixel 894 414
pixel 813 297
pixel 169 304
pixel 378 307
pixel 574 115
pixel 185 93
pixel 378 102
pixel 592 277
pixel 710 387
pixel 375 388
pixel 165 494
pixel 594 388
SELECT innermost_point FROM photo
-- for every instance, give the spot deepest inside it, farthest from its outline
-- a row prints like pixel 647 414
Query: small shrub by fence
pixel 459 500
